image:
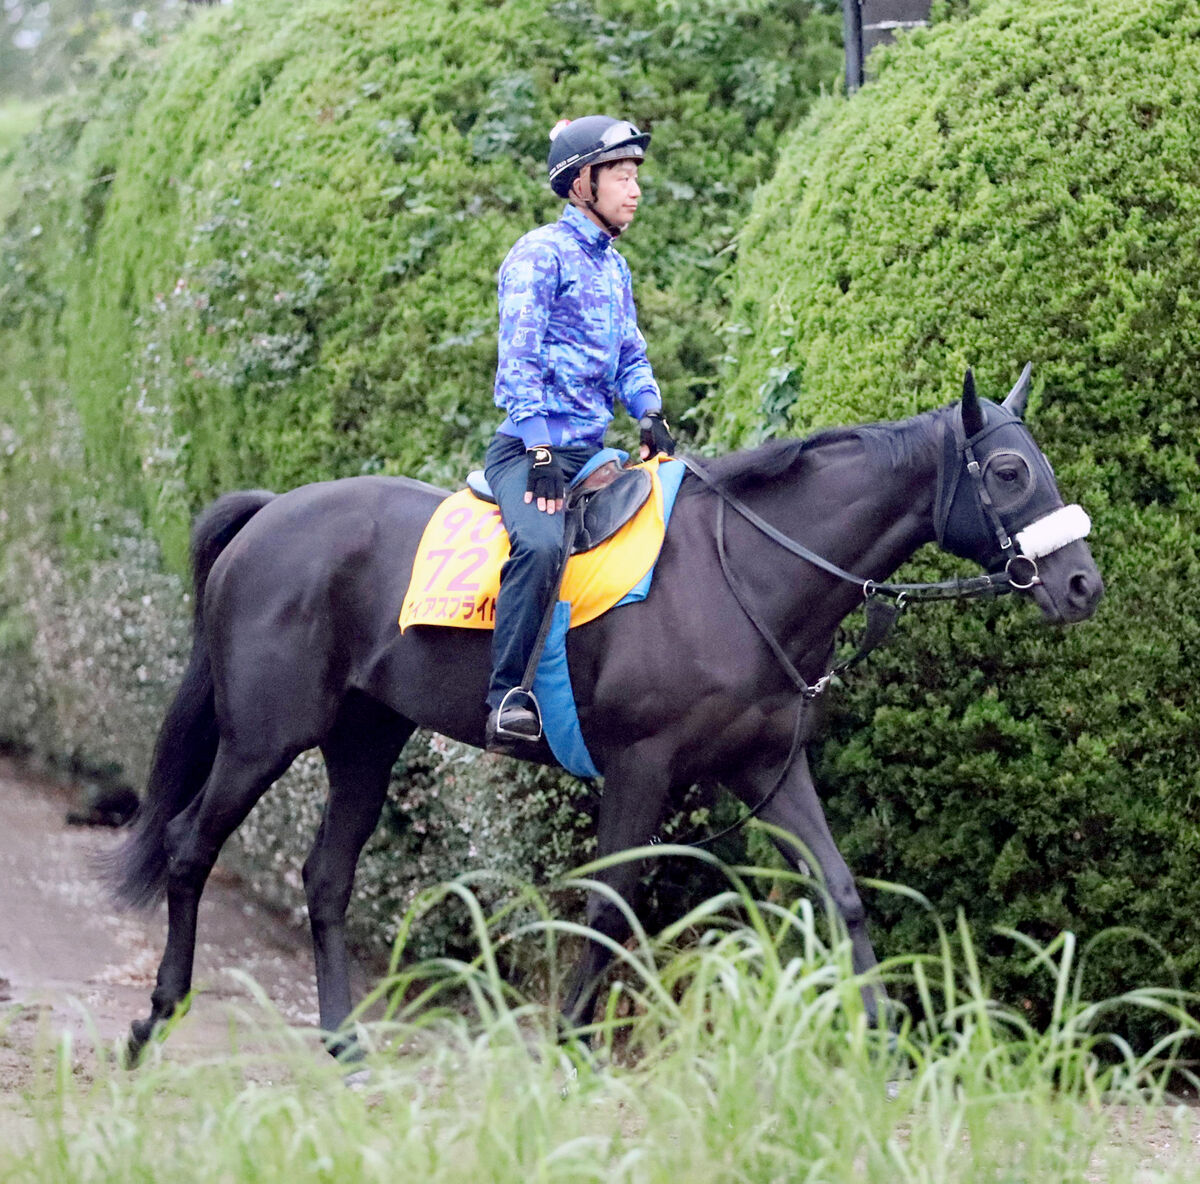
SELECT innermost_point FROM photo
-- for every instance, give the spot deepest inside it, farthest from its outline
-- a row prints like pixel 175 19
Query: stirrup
pixel 502 733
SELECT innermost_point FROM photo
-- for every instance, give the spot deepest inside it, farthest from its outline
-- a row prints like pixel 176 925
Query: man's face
pixel 617 191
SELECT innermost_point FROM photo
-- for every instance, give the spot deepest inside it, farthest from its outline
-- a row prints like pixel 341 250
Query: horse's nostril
pixel 1082 590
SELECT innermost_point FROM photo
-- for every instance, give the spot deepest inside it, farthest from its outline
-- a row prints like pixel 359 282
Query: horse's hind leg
pixel 193 840
pixel 359 755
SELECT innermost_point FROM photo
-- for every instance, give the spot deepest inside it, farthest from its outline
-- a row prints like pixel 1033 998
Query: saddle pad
pixel 457 571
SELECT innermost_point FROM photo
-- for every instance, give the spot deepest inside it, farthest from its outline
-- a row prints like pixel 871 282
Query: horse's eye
pixel 1009 476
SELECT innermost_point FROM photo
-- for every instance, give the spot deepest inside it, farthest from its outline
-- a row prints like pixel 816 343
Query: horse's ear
pixel 1019 395
pixel 972 413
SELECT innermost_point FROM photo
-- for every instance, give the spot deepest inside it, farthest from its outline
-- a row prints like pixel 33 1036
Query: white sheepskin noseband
pixel 1046 535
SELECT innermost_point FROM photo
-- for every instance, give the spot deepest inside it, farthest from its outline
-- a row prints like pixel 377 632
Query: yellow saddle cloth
pixel 457 571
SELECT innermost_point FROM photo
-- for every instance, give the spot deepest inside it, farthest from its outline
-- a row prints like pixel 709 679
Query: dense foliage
pixel 280 254
pixel 1021 185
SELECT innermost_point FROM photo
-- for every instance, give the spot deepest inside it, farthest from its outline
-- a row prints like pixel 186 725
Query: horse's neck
pixel 856 510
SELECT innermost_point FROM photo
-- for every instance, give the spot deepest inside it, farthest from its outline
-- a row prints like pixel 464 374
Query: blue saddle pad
pixel 552 683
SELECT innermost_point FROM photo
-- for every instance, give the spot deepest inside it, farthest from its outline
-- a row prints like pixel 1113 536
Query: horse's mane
pixel 898 445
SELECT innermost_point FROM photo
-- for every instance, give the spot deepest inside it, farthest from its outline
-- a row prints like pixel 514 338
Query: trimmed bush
pixel 285 256
pixel 1022 185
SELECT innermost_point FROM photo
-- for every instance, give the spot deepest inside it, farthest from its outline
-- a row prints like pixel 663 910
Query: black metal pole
pixel 868 23
pixel 852 36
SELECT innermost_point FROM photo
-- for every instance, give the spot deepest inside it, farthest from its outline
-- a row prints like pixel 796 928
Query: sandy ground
pixel 69 961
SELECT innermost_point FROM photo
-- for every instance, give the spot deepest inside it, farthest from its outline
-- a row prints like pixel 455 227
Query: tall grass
pixel 734 1046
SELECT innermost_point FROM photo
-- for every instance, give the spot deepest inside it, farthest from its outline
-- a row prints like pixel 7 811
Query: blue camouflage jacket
pixel 569 338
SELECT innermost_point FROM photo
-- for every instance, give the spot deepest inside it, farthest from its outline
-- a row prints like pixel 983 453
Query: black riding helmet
pixel 593 139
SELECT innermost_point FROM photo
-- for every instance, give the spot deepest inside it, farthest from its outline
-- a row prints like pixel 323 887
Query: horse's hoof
pixel 140 1032
pixel 345 1048
pixel 359 1079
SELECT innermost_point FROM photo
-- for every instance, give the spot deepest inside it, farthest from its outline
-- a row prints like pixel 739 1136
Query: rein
pixel 886 601
pixel 881 617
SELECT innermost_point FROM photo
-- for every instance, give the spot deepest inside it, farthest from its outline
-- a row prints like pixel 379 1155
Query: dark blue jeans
pixel 535 552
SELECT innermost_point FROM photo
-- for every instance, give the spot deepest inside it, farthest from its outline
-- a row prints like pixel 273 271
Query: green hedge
pixel 283 256
pixel 1022 185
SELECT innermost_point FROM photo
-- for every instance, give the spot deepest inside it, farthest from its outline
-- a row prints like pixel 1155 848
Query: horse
pixel 296 646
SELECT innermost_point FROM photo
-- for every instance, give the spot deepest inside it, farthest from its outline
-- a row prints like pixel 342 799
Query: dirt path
pixel 69 959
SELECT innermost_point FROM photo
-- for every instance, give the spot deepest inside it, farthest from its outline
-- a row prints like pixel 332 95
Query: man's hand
pixel 656 436
pixel 546 481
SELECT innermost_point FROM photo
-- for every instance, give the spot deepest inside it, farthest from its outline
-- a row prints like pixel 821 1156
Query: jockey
pixel 569 346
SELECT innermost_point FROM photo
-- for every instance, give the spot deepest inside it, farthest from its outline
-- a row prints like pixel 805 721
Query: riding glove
pixel 545 476
pixel 655 434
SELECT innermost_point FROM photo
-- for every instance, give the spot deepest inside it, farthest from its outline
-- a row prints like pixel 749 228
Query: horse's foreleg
pixel 359 755
pixel 635 792
pixel 796 808
pixel 193 840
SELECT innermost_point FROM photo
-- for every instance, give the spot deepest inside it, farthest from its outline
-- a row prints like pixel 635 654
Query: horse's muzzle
pixel 1069 584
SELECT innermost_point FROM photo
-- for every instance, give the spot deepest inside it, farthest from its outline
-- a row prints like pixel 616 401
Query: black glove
pixel 545 476
pixel 655 434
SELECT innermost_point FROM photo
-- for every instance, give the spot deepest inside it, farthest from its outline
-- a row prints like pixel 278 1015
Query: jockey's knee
pixel 538 550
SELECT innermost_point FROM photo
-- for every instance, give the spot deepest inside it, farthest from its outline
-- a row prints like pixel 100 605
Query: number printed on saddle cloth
pixel 453 580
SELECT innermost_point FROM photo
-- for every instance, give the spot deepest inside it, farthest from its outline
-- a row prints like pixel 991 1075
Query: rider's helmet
pixel 593 139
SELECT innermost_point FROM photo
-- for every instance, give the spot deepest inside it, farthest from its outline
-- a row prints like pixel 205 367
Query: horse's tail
pixel 187 741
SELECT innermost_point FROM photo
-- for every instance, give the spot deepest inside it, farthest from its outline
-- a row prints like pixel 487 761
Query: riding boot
pixel 528 583
pixel 512 726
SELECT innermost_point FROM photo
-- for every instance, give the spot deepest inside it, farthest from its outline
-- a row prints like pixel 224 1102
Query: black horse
pixel 296 646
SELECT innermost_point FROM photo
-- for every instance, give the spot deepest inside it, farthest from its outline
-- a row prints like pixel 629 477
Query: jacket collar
pixel 584 229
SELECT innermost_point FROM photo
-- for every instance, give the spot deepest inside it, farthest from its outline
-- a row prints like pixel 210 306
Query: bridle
pixel 960 455
pixel 1020 571
pixel 886 601
pixel 1019 552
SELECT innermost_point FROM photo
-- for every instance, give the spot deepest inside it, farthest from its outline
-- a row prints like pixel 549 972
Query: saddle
pixel 597 518
pixel 619 518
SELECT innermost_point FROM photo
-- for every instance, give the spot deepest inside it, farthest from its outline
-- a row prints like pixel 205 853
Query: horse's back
pixel 333 555
pixel 399 499
pixel 341 515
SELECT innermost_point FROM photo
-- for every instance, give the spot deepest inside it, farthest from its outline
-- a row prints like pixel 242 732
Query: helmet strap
pixel 586 179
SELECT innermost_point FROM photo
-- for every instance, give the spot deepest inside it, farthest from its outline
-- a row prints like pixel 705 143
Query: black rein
pixel 881 617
